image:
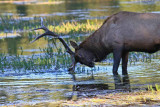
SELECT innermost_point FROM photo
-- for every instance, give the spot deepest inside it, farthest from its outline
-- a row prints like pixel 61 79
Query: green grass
pixel 75 27
pixel 46 59
pixel 154 88
pixel 15 25
pixel 35 63
pixel 52 56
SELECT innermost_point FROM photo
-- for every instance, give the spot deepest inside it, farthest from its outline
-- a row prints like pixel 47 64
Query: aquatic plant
pixel 157 87
pixel 48 58
pixel 52 56
pixel 17 25
pixel 75 27
pixel 154 88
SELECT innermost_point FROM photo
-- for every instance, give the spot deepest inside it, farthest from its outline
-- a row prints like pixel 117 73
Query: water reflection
pixel 58 85
pixel 89 90
pixel 111 6
pixel 3 97
pixel 22 10
pixel 122 84
pixel 73 10
pixel 12 46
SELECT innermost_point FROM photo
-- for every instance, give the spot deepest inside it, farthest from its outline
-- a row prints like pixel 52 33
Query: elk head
pixel 83 55
pixel 80 55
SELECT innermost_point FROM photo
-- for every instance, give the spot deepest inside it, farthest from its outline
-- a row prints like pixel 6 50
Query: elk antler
pixel 48 32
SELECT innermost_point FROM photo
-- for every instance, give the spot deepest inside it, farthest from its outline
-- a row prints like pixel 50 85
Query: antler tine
pixel 72 66
pixel 38 37
pixel 42 21
pixel 42 26
pixel 48 32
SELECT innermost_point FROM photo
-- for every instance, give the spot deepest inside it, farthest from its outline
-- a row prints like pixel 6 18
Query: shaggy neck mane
pixel 94 44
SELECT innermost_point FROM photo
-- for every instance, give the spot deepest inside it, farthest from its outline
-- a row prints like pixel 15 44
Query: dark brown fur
pixel 122 33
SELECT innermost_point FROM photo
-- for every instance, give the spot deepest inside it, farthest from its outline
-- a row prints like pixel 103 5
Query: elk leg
pixel 124 63
pixel 117 54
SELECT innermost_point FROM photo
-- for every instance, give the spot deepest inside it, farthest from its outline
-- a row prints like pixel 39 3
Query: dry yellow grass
pixel 74 27
pixel 117 99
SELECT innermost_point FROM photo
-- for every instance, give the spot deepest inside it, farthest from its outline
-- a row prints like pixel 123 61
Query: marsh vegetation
pixel 38 71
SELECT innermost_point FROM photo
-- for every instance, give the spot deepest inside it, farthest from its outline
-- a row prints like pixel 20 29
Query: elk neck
pixel 94 44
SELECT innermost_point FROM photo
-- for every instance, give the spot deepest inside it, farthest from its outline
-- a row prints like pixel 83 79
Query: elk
pixel 120 34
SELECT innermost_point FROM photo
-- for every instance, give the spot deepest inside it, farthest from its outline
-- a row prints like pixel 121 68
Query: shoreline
pixel 140 98
pixel 30 2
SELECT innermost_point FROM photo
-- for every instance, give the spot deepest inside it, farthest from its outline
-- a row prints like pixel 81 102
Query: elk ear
pixel 74 45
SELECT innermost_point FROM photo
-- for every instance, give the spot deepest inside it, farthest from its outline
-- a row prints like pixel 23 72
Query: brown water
pixel 23 87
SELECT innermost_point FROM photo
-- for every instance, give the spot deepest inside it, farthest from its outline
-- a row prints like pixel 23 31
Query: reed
pixel 52 56
pixel 10 24
pixel 49 59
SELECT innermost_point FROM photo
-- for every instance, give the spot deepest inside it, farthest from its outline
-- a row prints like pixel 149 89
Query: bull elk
pixel 120 33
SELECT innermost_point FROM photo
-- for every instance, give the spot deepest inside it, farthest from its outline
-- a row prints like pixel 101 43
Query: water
pixel 17 87
pixel 56 85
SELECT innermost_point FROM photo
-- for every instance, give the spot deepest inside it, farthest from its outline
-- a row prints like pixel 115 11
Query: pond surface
pixel 18 87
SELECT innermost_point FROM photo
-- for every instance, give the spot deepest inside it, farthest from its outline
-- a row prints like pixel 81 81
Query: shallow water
pixel 32 88
pixel 17 87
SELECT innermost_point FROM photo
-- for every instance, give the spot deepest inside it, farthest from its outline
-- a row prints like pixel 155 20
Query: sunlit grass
pixel 52 56
pixel 142 98
pixel 32 2
pixel 155 88
pixel 76 27
pixel 10 24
